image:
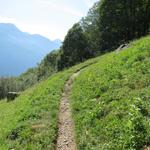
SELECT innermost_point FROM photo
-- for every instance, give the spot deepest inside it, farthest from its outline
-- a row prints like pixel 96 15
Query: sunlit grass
pixel 30 121
pixel 111 101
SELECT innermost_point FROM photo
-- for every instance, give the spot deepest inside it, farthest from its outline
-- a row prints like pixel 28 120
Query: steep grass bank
pixel 111 101
pixel 30 122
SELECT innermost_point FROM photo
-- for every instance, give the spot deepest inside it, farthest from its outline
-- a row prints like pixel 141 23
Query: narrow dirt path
pixel 66 135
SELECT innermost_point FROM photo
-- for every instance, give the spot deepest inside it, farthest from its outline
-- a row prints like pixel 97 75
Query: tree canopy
pixel 121 21
pixel 75 48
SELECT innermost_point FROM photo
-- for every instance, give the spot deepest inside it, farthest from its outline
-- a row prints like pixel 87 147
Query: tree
pixel 74 48
pixel 7 84
pixel 121 21
pixel 91 30
pixel 48 65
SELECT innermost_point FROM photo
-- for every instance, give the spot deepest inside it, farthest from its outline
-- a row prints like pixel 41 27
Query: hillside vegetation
pixel 30 122
pixel 111 101
pixel 110 104
pixel 107 25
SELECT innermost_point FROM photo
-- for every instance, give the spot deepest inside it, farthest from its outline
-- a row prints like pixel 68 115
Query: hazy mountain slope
pixel 20 51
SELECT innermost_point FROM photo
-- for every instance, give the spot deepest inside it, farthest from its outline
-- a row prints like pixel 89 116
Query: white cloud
pixel 89 3
pixel 61 7
pixel 4 19
pixel 55 10
pixel 35 29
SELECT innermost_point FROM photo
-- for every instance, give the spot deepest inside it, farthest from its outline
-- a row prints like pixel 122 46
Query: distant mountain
pixel 20 50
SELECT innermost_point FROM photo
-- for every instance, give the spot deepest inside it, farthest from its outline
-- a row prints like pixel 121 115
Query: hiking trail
pixel 66 133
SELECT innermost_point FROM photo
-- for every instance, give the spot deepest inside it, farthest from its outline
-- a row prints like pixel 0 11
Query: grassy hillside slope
pixel 110 104
pixel 111 101
pixel 30 122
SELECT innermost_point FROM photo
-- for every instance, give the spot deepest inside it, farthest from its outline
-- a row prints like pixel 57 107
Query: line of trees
pixel 107 25
pixel 47 67
pixel 74 48
pixel 121 21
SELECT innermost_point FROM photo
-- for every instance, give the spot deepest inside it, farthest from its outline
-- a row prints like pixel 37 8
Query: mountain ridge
pixel 21 50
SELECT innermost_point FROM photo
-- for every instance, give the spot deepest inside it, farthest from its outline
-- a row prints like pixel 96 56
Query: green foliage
pixel 74 49
pixel 107 25
pixel 32 76
pixel 15 84
pixel 7 84
pixel 121 21
pixel 110 100
pixel 30 121
pixel 27 79
pixel 48 66
pixel 90 26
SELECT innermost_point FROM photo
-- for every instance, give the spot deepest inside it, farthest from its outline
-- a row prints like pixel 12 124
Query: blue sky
pixel 51 18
